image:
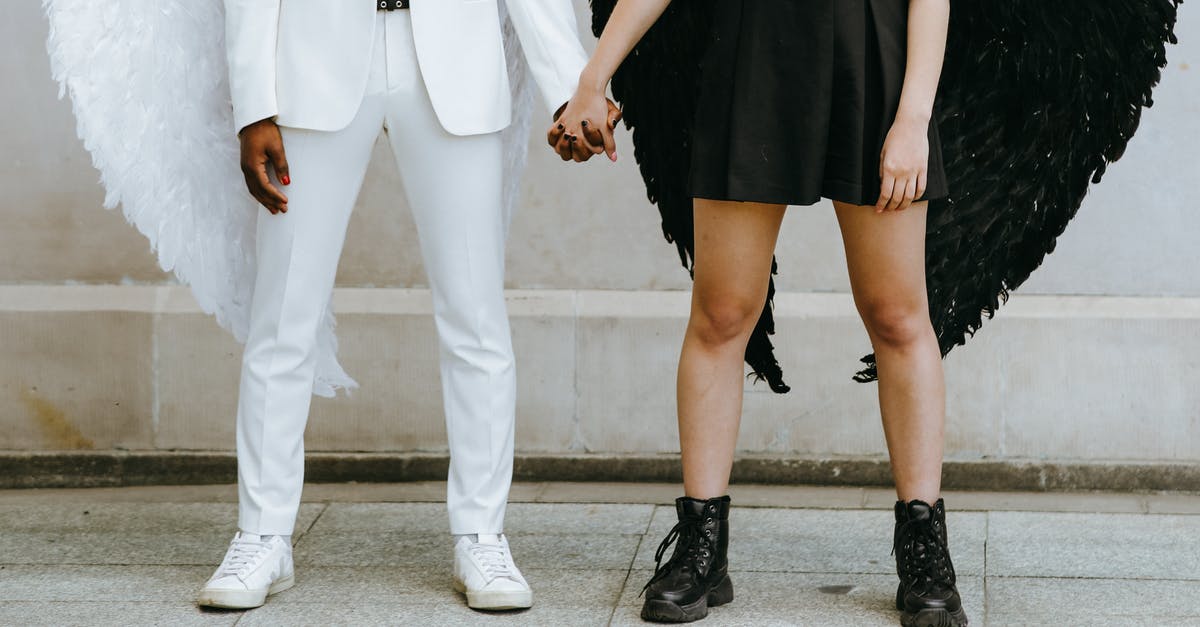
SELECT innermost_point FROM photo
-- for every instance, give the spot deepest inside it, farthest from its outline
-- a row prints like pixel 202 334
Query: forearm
pixel 629 22
pixel 928 25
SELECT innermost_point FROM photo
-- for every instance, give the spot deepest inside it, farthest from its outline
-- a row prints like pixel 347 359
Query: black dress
pixel 797 98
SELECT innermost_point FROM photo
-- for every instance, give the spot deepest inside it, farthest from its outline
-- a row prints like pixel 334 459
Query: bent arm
pixel 549 35
pixel 928 26
pixel 251 33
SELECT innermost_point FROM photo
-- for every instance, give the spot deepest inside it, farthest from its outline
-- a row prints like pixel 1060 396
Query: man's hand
pixel 582 142
pixel 261 145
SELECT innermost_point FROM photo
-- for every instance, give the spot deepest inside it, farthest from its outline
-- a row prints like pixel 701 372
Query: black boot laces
pixel 691 542
pixel 924 556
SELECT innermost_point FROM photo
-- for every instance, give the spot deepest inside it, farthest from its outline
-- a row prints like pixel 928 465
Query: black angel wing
pixel 658 87
pixel 1036 99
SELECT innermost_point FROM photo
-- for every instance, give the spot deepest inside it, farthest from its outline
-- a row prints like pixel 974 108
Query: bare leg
pixel 734 245
pixel 886 257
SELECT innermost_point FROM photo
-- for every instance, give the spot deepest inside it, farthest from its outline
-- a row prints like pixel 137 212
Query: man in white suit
pixel 313 83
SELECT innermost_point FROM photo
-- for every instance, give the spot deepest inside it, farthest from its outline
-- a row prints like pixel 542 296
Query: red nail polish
pixel 286 180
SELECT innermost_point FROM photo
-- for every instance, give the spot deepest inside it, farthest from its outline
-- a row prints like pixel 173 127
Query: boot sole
pixel 496 601
pixel 661 611
pixel 242 599
pixel 934 618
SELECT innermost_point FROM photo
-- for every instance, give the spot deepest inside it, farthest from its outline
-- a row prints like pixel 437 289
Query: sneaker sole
pixel 661 611
pixel 935 618
pixel 496 600
pixel 242 599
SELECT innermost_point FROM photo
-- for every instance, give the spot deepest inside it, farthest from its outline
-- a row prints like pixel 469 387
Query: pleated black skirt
pixel 797 98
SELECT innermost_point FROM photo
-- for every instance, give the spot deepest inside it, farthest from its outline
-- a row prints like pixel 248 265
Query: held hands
pixel 584 127
pixel 903 164
pixel 262 145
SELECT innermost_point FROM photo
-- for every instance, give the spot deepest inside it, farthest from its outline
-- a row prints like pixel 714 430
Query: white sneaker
pixel 485 572
pixel 253 568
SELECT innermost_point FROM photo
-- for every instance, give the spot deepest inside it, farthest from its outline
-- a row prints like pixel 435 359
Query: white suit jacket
pixel 305 62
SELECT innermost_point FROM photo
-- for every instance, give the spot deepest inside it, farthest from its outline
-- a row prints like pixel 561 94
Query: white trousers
pixel 454 187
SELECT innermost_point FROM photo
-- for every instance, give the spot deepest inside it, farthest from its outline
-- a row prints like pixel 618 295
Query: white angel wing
pixel 148 84
pixel 516 136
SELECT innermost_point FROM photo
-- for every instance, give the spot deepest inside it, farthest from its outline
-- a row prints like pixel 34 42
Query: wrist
pixel 908 117
pixel 592 82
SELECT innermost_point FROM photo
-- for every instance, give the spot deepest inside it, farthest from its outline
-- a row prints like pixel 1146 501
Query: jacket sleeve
pixel 251 33
pixel 549 35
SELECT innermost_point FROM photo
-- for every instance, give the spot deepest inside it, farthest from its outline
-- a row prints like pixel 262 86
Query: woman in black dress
pixel 802 100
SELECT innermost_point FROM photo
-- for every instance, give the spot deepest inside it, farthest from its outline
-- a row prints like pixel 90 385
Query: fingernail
pixel 584 123
pixel 286 180
pixel 561 127
pixel 614 157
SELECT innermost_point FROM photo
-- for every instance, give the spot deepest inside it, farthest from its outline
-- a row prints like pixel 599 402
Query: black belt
pixel 391 5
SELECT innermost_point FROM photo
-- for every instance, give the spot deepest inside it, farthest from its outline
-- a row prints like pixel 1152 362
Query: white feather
pixel 149 87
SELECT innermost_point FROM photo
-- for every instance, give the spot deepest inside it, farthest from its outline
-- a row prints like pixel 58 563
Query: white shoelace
pixel 243 554
pixel 493 558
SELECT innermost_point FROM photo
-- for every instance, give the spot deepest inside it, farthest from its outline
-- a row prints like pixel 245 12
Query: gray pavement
pixel 374 554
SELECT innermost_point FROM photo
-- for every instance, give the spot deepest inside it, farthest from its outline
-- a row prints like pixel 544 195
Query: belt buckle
pixel 391 5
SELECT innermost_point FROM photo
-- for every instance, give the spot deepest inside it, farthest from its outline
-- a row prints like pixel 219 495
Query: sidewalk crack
pixel 304 534
pixel 987 531
pixel 632 562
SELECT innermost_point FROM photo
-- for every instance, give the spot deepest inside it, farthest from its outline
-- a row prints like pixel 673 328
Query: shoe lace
pixel 685 535
pixel 925 555
pixel 243 554
pixel 493 559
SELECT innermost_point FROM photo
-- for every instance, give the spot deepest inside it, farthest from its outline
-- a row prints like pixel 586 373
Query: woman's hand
pixel 584 127
pixel 903 164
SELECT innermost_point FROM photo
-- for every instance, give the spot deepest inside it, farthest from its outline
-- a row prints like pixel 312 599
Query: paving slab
pixel 85 515
pixel 62 614
pixel 147 533
pixel 1087 502
pixel 426 615
pixel 520 519
pixel 1092 602
pixel 1105 546
pixel 106 583
pixel 1173 504
pixel 379 554
pixel 116 548
pixel 352 585
pixel 665 493
pixel 150 533
pixel 603 552
pixel 823 541
pixel 815 600
pixel 141 494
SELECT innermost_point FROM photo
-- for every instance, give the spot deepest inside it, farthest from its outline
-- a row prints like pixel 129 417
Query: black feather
pixel 1036 99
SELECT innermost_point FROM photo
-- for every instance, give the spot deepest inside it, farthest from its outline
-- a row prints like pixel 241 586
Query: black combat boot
pixel 927 596
pixel 696 577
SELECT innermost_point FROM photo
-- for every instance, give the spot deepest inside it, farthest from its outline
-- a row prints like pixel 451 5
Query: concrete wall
pixel 599 304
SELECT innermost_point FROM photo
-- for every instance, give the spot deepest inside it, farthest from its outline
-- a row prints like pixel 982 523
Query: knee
pixel 718 323
pixel 894 323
